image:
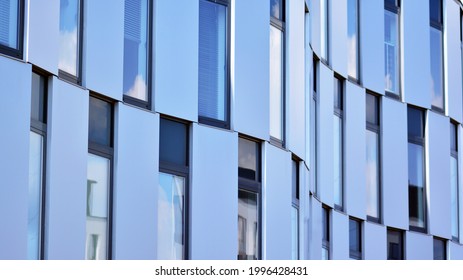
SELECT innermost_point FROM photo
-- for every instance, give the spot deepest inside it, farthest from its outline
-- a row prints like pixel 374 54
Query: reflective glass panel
pixel 416 185
pixel 173 142
pixel 415 123
pixel 35 193
pixel 9 23
pixel 100 122
pixel 437 85
pixel 337 168
pixel 248 229
pixel 372 108
pixel 247 161
pixel 69 36
pixel 391 51
pixel 38 101
pixel 439 249
pixel 276 83
pixel 454 195
pixel 294 233
pixel 372 173
pixel 324 29
pixel 352 37
pixel 394 245
pixel 277 9
pixel 354 236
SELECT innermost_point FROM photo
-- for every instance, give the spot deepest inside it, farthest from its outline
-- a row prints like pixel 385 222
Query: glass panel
pixel 100 122
pixel 325 253
pixel 394 245
pixel 248 213
pixel 247 161
pixel 439 249
pixel 392 3
pixel 391 52
pixel 212 60
pixel 173 142
pixel 354 236
pixel 435 10
pixel 136 49
pixel 294 233
pixel 324 29
pixel 437 86
pixel 171 217
pixel 352 33
pixel 277 9
pixel 338 151
pixel 416 185
pixel 325 225
pixel 9 23
pixel 276 83
pixel 372 109
pixel 69 36
pixel 372 173
pixel 98 180
pixel 454 195
pixel 35 193
pixel 295 179
pixel 38 102
pixel 415 123
pixel 337 94
pixel 453 137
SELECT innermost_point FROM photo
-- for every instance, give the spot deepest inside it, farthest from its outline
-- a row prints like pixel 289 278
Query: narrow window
pixel 338 143
pixel 355 239
pixel 395 245
pixel 249 189
pixel 70 40
pixel 436 40
pixel 99 179
pixel 277 77
pixel 326 233
pixel 391 47
pixel 373 170
pixel 315 125
pixel 37 141
pixel 295 210
pixel 454 187
pixel 11 27
pixel 416 170
pixel 325 29
pixel 213 102
pixel 173 190
pixel 353 39
pixel 440 251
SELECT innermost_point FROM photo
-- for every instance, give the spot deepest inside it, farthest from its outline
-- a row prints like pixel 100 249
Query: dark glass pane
pixel 248 226
pixel 247 159
pixel 354 236
pixel 337 93
pixel 454 196
pixel 295 179
pixel 453 137
pixel 415 123
pixel 315 75
pixel 100 122
pixel 173 142
pixel 9 23
pixel 277 9
pixel 326 224
pixel 391 52
pixel 416 202
pixel 394 245
pixel 390 3
pixel 38 102
pixel 372 109
pixel 439 249
pixel 435 10
pixel 437 74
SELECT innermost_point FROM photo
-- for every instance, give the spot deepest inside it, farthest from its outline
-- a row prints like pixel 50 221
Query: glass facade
pixel 70 38
pixel 391 47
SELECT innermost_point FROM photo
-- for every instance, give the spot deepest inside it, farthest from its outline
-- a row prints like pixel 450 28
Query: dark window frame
pixel 401 242
pixel 396 9
pixel 353 254
pixel 339 113
pixel 17 52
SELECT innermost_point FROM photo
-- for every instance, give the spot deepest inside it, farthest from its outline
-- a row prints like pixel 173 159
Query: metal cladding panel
pixel 418 246
pixel 340 236
pixel 374 245
pixel 338 43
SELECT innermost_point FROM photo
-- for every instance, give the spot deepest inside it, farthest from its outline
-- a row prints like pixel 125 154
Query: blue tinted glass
pixel 454 196
pixel 415 123
pixel 100 122
pixel 354 235
pixel 34 196
pixel 372 173
pixel 173 142
pixel 69 36
pixel 277 9
pixel 439 249
pixel 394 245
pixel 437 85
pixel 391 51
pixel 247 159
pixel 9 23
pixel 372 105
pixel 248 225
pixel 294 233
pixel 416 203
pixel 435 10
pixel 337 168
pixel 38 102
pixel 352 33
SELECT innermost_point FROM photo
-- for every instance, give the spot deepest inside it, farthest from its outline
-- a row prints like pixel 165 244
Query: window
pixel 70 40
pixel 11 27
pixel 338 143
pixel 440 252
pixel 437 71
pixel 454 188
pixel 353 39
pixel 326 233
pixel 373 169
pixel 99 179
pixel 173 190
pixel 213 100
pixel 391 47
pixel 355 239
pixel 325 29
pixel 137 30
pixel 315 125
pixel 416 170
pixel 295 210
pixel 277 76
pixel 395 244
pixel 249 189
pixel 37 142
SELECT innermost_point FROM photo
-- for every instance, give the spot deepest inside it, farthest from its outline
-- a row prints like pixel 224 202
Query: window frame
pixel 339 112
pixel 396 9
pixel 357 255
pixel 17 52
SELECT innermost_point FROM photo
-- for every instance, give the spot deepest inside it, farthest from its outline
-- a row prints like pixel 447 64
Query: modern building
pixel 231 129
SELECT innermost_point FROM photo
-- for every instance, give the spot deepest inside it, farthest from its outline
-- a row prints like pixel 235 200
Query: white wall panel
pixel 176 26
pixel 304 212
pixel 315 230
pixel 375 241
pixel 104 47
pixel 415 51
pixel 66 171
pixel 394 155
pixel 354 151
pixel 277 199
pixel 250 75
pixel 438 168
pixel 338 38
pixel 136 183
pixel 372 45
pixel 460 180
pixel 15 112
pixel 43 41
pixel 418 246
pixel 340 236
pixel 214 194
pixel 295 98
pixel 455 251
pixel 452 57
pixel 315 26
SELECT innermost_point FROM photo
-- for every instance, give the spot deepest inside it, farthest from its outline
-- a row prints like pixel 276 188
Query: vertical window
pixel 295 211
pixel 416 170
pixel 353 39
pixel 37 141
pixel 315 125
pixel 173 190
pixel 440 251
pixel 461 42
pixel 395 245
pixel 11 27
pixel 355 239
pixel 325 34
pixel 338 143
pixel 437 71
pixel 70 40
pixel 277 62
pixel 326 233
pixel 391 47
pixel 249 199
pixel 373 158
pixel 454 188
pixel 213 104
pixel 137 21
pixel 99 179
